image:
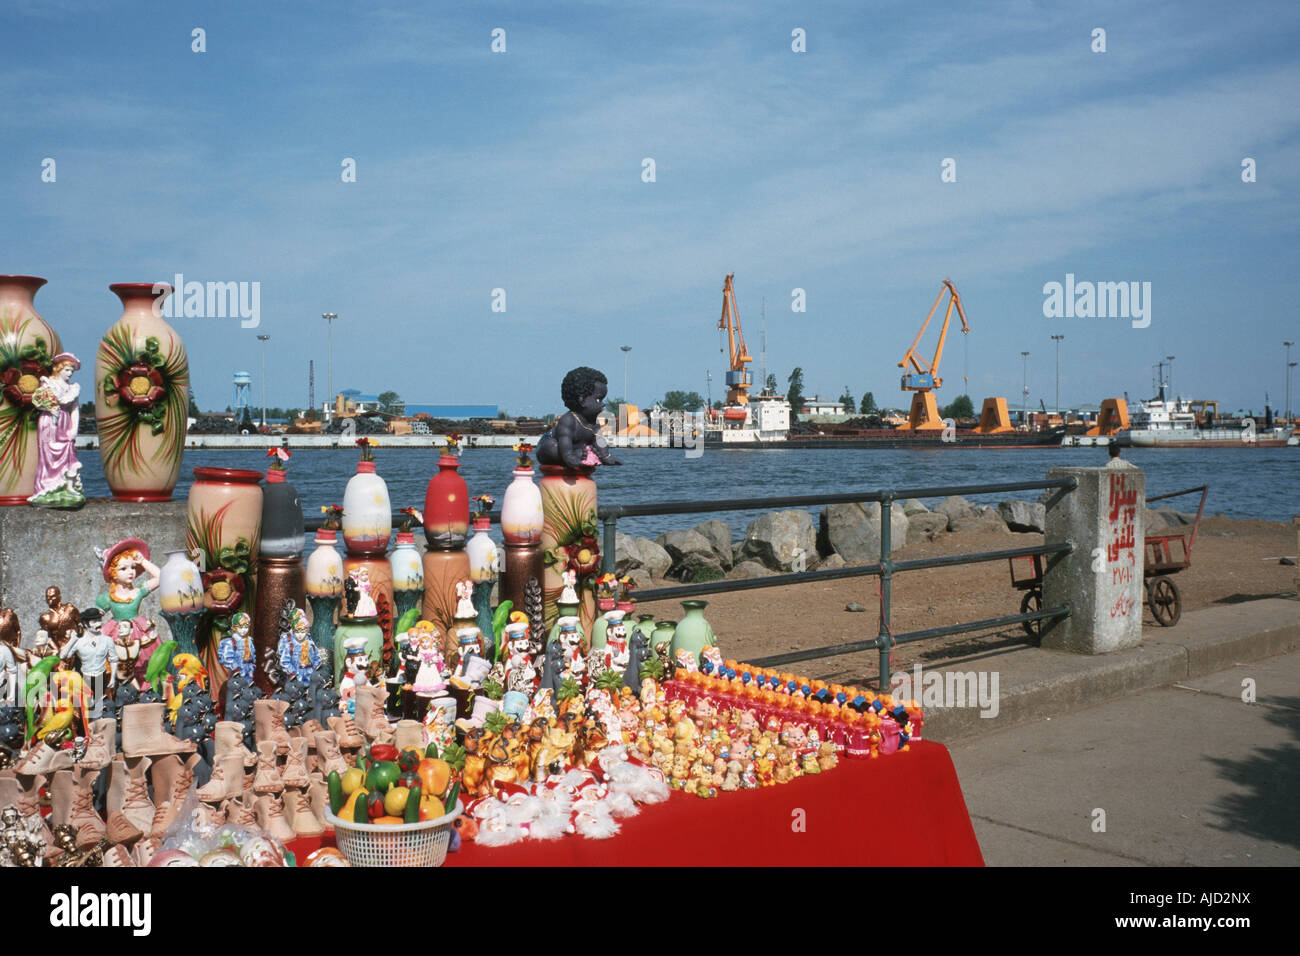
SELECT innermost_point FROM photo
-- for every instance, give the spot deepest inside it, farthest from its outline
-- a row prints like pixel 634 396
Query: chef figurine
pixel 570 641
pixel 298 654
pixel 236 651
pixel 521 674
pixel 473 667
pixel 614 655
pixel 354 673
pixel 96 653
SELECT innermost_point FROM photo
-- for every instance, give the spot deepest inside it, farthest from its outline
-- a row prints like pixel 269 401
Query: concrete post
pixel 1102 579
pixel 40 547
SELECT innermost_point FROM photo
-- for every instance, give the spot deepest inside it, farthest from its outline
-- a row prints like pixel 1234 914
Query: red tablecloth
pixel 902 810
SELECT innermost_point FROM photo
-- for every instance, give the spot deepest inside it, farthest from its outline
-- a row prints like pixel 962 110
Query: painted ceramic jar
pixel 446 507
pixel 521 509
pixel 282 526
pixel 224 511
pixel 367 512
pixel 569 538
pixel 693 633
pixel 180 585
pixel 325 567
pixel 482 553
pixel 443 570
pixel 142 388
pixel 408 572
pixel 27 343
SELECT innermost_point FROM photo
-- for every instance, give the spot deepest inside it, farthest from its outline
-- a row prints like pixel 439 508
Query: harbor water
pixel 1261 483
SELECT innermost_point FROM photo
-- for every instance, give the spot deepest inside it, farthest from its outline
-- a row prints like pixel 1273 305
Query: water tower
pixel 243 394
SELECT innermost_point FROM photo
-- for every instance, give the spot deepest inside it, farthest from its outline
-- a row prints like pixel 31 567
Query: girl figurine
pixel 430 678
pixel 122 564
pixel 58 473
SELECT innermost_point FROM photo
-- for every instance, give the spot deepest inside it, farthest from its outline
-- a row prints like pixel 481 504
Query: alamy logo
pixel 76 909
pixel 211 300
pixel 1098 300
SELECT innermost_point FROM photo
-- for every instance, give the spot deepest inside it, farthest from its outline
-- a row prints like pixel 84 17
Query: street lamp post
pixel 329 318
pixel 626 349
pixel 1057 340
pixel 1289 366
pixel 1024 393
pixel 263 339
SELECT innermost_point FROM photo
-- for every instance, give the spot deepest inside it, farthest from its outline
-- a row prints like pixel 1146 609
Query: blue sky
pixel 522 171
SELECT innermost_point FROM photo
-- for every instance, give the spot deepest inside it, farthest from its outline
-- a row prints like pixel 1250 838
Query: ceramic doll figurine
pixel 575 441
pixel 430 678
pixel 57 625
pixel 58 473
pixel 473 667
pixel 686 661
pixel 121 565
pixel 354 673
pixel 298 654
pixel 570 641
pixel 437 729
pixel 520 673
pixel 359 582
pixel 236 651
pixel 96 654
pixel 11 655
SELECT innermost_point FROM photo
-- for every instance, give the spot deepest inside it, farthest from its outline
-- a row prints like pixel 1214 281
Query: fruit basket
pixel 406 844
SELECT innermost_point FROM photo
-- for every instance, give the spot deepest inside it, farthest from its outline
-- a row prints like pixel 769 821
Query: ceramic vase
pixel 279 581
pixel 521 510
pixel 27 343
pixel 645 623
pixel 442 571
pixel 367 512
pixel 523 562
pixel 408 573
pixel 180 594
pixel 282 525
pixel 569 537
pixel 142 388
pixel 693 633
pixel 663 632
pixel 446 507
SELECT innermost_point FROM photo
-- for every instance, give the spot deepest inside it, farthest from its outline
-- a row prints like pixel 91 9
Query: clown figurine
pixel 236 649
pixel 298 654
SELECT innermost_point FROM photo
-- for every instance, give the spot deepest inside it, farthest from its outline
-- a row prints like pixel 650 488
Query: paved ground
pixel 1187 775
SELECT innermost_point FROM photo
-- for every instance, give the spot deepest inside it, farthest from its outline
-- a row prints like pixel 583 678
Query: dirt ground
pixel 1232 561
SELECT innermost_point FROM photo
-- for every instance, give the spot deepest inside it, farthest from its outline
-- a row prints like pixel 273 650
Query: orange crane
pixel 923 377
pixel 739 377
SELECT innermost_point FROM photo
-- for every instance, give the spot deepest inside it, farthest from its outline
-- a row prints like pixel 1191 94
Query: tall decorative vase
pixel 367 512
pixel 569 537
pixel 408 573
pixel 442 571
pixel 180 592
pixel 224 520
pixel 324 583
pixel 521 510
pixel 142 388
pixel 280 577
pixel 27 343
pixel 482 553
pixel 446 507
pixel 693 633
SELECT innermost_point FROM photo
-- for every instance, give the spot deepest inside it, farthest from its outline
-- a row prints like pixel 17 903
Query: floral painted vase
pixel 569 541
pixel 27 343
pixel 142 387
pixel 367 512
pixel 408 573
pixel 324 583
pixel 446 507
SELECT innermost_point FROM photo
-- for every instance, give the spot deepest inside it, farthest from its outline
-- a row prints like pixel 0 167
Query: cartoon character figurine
pixel 574 660
pixel 574 441
pixel 236 649
pixel 355 663
pixel 520 673
pixel 615 654
pixel 473 667
pixel 58 473
pixel 298 654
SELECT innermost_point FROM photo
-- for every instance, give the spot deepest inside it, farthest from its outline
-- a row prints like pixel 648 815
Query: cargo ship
pixel 1180 423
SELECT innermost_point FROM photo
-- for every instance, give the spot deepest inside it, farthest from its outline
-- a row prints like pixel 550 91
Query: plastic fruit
pixel 434 776
pixel 387 819
pixel 350 805
pixel 382 775
pixel 430 808
pixel 395 800
pixel 352 781
pixel 375 805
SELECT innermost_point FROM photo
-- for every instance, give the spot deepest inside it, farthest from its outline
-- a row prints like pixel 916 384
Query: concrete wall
pixel 1102 579
pixel 40 547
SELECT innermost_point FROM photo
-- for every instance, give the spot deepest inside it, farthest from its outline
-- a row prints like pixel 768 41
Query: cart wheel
pixel 1166 606
pixel 1031 603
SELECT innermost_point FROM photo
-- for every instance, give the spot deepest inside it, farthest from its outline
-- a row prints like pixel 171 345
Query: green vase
pixel 563 610
pixel 365 627
pixel 602 624
pixel 663 631
pixel 693 633
pixel 645 623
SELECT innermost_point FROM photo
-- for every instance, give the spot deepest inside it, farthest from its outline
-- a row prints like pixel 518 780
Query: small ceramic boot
pixel 102 744
pixel 268 715
pixel 301 818
pixel 268 778
pixel 230 739
pixel 409 735
pixel 90 825
pixel 143 736
pixel 270 817
pixel 328 757
pixel 120 827
pixel 370 714
pixel 346 730
pixel 227 779
pixel 294 773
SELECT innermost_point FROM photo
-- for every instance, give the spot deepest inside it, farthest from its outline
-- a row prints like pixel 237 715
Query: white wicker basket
pixel 397 844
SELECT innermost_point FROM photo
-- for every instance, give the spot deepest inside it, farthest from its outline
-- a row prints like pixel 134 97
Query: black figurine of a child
pixel 574 441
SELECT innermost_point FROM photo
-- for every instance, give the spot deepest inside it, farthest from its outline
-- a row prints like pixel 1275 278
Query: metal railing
pixel 885 569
